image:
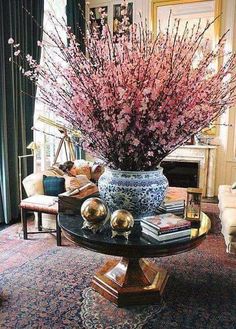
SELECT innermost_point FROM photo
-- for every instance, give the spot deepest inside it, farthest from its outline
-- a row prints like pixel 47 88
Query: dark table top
pixel 102 242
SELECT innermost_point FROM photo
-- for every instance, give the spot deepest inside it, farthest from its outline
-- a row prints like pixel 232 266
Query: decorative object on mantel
pixel 122 222
pixel 134 98
pixel 193 205
pixel 207 136
pixel 201 139
pixel 95 214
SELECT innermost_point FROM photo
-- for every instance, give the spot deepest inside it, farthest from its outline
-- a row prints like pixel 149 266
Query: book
pixel 175 207
pixel 156 230
pixel 176 194
pixel 166 222
pixel 171 201
pixel 167 236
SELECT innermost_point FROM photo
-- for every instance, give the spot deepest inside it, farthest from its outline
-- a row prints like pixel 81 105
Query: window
pixel 46 135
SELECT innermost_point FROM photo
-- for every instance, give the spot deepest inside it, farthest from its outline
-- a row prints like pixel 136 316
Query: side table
pixel 40 204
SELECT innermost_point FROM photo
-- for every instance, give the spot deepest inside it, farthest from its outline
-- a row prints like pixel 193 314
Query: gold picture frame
pixel 159 3
pixel 212 128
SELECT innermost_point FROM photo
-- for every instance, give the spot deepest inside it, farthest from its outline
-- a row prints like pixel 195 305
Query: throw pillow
pixel 233 186
pixel 33 184
pixel 53 171
pixel 53 185
pixel 83 168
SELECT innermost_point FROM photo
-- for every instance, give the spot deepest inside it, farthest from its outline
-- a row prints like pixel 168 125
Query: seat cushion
pixel 227 201
pixel 41 203
pixel 228 220
pixel 224 189
pixel 53 185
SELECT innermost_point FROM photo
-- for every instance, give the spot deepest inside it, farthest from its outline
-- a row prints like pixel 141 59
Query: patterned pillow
pixel 84 171
pixel 53 185
pixel 83 167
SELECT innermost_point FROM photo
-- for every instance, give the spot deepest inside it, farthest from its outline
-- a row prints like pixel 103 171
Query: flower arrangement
pixel 134 98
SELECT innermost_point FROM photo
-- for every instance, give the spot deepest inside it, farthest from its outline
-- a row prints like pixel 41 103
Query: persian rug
pixel 44 286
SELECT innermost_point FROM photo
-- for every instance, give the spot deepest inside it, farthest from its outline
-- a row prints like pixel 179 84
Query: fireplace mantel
pixel 205 156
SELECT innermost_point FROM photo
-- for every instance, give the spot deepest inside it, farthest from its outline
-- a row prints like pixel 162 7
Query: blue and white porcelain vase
pixel 140 192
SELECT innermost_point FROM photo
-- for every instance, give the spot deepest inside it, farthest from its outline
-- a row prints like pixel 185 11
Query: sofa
pixel 227 206
pixel 33 184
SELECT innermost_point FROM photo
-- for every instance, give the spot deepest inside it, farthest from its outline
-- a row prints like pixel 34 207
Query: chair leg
pixel 58 232
pixel 24 223
pixel 39 221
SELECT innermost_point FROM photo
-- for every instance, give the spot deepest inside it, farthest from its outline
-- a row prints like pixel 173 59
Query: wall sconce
pixel 193 205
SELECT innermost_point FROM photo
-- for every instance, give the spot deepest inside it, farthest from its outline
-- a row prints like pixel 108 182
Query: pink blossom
pixel 10 41
pixel 27 73
pixel 16 53
pixel 136 142
pixel 134 100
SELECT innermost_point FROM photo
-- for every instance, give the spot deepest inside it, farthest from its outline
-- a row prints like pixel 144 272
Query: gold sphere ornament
pixel 95 213
pixel 122 222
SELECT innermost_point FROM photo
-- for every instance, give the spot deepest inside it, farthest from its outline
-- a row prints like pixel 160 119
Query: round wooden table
pixel 132 280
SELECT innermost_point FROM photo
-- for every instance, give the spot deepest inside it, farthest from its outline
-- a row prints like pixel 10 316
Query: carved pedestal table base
pixel 130 282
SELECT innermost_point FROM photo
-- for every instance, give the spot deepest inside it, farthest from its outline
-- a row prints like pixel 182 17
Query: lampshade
pixel 32 146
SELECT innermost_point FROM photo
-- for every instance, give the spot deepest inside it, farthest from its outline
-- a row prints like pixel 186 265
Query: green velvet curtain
pixel 16 108
pixel 75 11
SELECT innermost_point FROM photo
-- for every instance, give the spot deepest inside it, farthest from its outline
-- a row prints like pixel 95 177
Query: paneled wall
pixel 226 155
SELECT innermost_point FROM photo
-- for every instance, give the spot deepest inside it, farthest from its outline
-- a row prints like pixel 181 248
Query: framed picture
pixel 95 18
pixel 117 17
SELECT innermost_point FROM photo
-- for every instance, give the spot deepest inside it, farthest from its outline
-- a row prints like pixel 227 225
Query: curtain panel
pixel 16 98
pixel 75 12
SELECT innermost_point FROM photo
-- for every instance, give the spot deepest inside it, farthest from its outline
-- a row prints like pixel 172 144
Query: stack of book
pixel 174 207
pixel 165 227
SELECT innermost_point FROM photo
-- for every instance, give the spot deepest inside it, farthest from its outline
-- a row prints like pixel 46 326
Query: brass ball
pixel 94 210
pixel 122 220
